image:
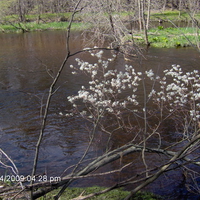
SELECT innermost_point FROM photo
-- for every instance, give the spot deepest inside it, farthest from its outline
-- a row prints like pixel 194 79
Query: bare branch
pixel 50 93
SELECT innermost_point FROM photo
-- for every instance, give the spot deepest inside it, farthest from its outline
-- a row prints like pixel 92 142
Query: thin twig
pixel 50 93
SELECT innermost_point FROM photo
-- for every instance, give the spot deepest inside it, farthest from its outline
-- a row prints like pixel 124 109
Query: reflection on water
pixel 25 63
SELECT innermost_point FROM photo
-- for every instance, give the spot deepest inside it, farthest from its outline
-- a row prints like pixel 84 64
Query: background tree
pixel 7 8
pixel 21 9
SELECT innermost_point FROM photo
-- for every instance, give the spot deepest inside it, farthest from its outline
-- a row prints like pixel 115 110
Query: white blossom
pixel 116 91
pixel 150 74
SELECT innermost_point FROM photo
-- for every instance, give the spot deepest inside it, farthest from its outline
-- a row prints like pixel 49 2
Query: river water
pixel 26 60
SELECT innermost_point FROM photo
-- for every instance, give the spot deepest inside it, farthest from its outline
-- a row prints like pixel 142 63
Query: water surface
pixel 27 62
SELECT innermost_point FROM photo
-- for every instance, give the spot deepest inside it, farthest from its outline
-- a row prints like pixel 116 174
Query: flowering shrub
pixel 182 92
pixel 113 92
pixel 178 95
pixel 105 87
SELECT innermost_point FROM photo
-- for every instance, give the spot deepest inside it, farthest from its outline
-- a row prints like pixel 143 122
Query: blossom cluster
pixel 105 86
pixel 180 90
pixel 113 91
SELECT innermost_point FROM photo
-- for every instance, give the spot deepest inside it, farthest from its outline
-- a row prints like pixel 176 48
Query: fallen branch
pixel 93 166
pixel 178 155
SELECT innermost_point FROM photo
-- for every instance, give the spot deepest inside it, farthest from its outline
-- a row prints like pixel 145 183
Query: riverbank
pixel 93 193
pixel 158 35
pixel 116 194
pixel 170 37
pixel 47 21
pixel 34 26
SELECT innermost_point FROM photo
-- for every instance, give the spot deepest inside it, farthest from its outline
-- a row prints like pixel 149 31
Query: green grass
pixel 48 21
pixel 45 17
pixel 33 26
pixel 50 17
pixel 172 15
pixel 170 37
pixel 116 194
pixel 53 26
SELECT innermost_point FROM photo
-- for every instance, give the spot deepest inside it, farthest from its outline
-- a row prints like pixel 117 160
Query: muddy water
pixel 27 62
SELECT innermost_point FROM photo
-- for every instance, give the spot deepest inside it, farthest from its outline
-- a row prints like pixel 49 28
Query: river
pixel 26 60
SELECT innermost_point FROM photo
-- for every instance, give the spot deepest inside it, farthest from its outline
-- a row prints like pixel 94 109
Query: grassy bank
pixel 116 194
pixel 173 15
pixel 48 21
pixel 158 37
pixel 74 192
pixel 170 37
pixel 33 26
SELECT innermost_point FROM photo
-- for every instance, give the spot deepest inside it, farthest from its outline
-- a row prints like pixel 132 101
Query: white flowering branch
pixel 106 87
pixel 175 97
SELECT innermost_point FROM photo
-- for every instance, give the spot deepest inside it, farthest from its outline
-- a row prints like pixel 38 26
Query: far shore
pixel 159 35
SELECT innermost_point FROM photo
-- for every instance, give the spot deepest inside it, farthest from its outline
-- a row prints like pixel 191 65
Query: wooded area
pixel 25 7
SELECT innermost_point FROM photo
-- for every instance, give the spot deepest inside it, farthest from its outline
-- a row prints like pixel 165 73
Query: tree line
pixel 24 7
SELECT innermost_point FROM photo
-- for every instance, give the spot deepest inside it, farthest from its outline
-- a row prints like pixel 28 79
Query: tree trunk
pixel 139 15
pixel 111 23
pixel 38 11
pixel 164 5
pixel 144 23
pixel 21 11
pixel 148 14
